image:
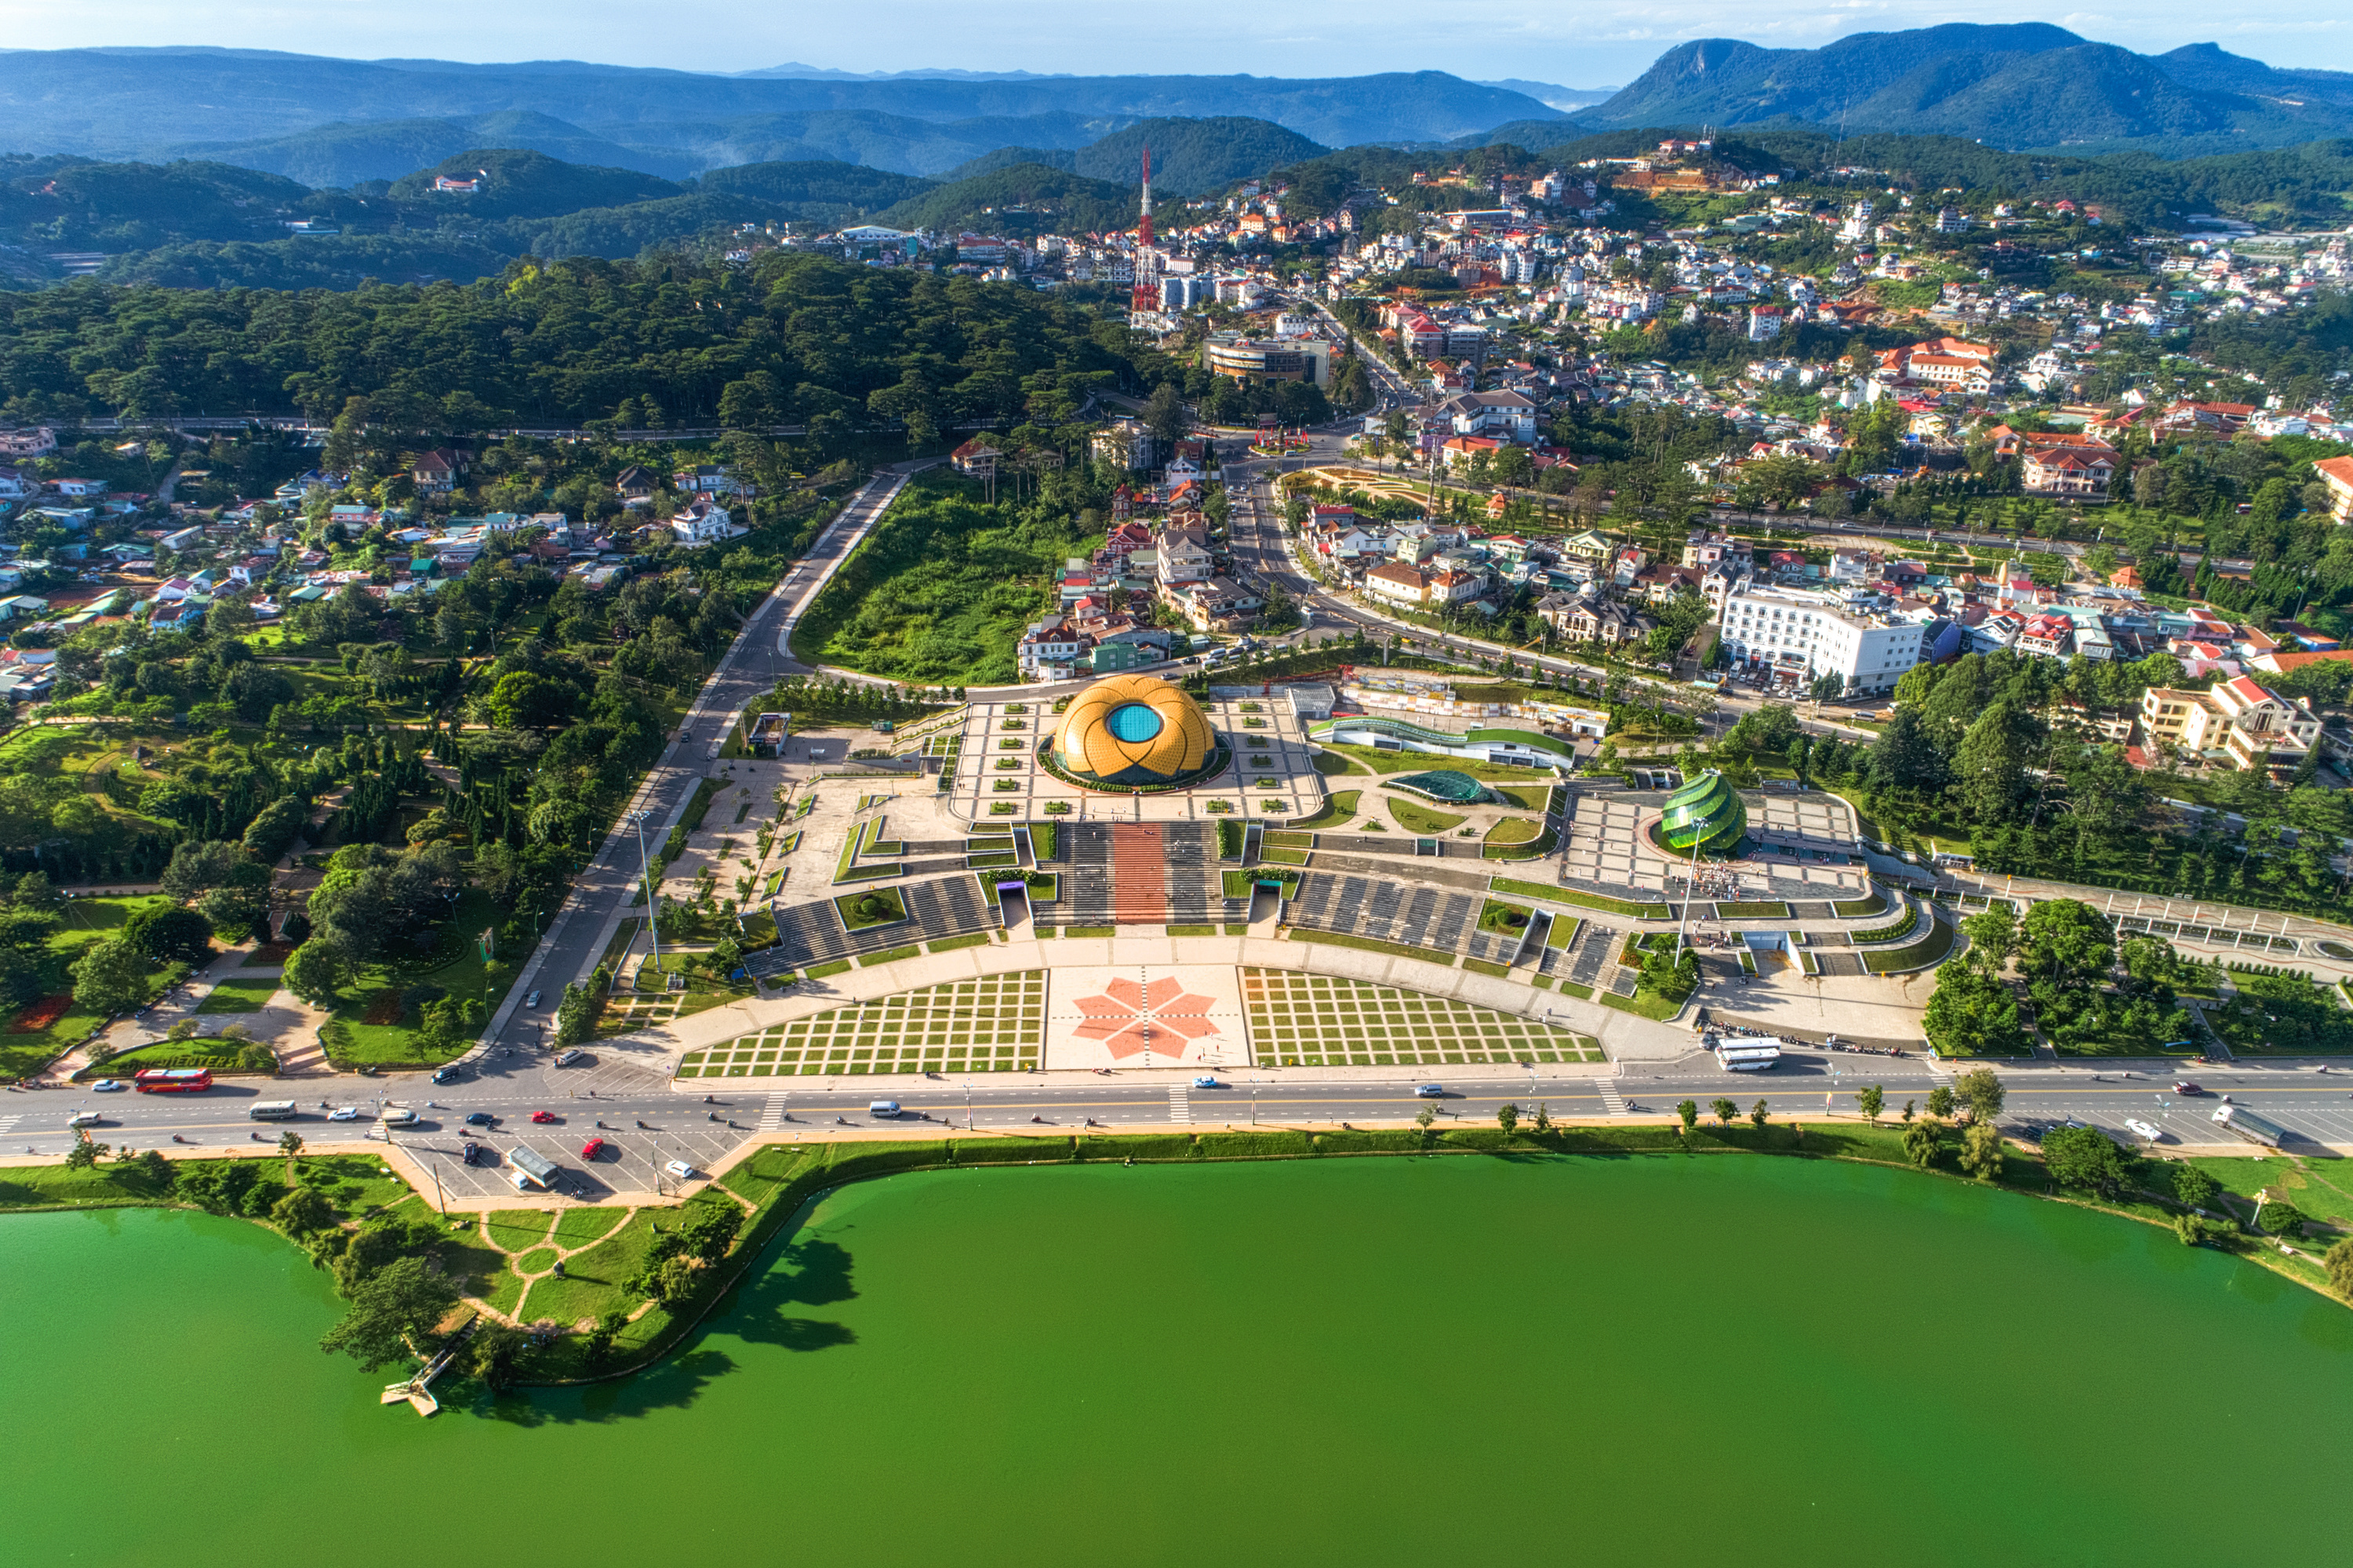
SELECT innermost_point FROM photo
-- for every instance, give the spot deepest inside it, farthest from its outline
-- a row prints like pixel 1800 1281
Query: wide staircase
pixel 1142 874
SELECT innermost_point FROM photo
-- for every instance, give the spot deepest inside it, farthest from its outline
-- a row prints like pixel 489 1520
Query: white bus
pixel 270 1110
pixel 529 1168
pixel 1748 1054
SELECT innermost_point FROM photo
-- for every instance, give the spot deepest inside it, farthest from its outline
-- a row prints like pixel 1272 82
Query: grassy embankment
pixel 775 1182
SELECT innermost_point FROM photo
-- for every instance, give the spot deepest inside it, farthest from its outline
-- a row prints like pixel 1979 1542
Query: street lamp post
pixel 645 873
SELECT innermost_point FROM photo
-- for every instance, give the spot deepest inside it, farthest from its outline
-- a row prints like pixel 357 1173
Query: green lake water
pixel 1369 1360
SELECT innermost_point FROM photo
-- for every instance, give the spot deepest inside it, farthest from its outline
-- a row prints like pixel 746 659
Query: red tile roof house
pixel 2067 467
pixel 2047 636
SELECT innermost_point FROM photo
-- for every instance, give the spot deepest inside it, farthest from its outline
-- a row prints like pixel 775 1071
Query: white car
pixel 344 1113
pixel 107 1086
pixel 531 1001
pixel 680 1169
pixel 2148 1131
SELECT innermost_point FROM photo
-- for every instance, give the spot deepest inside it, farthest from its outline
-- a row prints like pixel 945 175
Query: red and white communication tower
pixel 1145 296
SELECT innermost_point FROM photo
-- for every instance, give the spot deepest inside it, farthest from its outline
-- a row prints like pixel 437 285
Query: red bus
pixel 173 1080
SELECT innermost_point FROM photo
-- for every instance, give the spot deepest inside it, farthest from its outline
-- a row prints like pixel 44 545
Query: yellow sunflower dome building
pixel 1128 731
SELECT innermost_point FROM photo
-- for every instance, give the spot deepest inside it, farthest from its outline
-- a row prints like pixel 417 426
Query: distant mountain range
pixel 2026 85
pixel 335 123
pixel 230 104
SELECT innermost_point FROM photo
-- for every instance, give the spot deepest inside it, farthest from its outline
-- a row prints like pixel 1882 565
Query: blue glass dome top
pixel 1132 722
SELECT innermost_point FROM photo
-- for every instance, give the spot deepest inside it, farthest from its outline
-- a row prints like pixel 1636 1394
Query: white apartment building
pixel 1812 634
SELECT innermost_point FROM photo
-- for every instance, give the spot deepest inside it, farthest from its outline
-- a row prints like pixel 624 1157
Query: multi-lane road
pixel 750 667
pixel 646 1121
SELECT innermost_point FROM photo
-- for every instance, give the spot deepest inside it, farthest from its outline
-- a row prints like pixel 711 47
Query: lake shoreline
pixel 780 1185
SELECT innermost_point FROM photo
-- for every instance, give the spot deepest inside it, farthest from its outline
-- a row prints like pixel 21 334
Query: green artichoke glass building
pixel 1704 814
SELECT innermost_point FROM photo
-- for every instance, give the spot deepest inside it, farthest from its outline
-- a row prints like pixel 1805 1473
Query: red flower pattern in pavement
pixel 1131 1018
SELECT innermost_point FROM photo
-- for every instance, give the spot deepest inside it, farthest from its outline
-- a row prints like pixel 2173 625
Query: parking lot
pixel 636 1147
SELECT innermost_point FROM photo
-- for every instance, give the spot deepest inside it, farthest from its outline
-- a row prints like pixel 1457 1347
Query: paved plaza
pixel 1145 1015
pixel 1799 847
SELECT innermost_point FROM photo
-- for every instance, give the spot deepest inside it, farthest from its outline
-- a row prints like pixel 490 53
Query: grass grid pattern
pixel 993 1025
pixel 1332 1021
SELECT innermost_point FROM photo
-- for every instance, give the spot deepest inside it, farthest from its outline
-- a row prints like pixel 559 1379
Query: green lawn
pixel 237 994
pixel 25 1050
pixel 1929 949
pixel 863 911
pixel 1416 818
pixel 1331 763
pixel 591 1279
pixel 203 1050
pixel 1581 900
pixel 1339 808
pixel 1645 1003
pixel 1509 919
pixel 518 1230
pixel 369 1027
pixel 1395 949
pixel 1514 830
pixel 580 1227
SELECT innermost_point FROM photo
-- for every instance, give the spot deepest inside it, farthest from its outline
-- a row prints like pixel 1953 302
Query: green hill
pixel 1024 199
pixel 72 204
pixel 816 187
pixel 1193 156
pixel 518 184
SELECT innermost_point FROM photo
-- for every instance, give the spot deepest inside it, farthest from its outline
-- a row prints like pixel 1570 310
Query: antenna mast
pixel 1146 295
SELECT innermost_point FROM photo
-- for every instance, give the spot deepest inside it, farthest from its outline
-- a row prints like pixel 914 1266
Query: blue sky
pixel 1601 42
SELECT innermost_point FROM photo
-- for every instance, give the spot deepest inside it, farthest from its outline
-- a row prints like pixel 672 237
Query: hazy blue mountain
pixel 997 158
pixel 1567 100
pixel 138 102
pixel 892 141
pixel 2026 84
pixel 346 154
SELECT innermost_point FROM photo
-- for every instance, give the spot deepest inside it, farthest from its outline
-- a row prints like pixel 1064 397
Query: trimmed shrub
pixel 1160 1146
pixel 1253 1145
pixel 1007 1151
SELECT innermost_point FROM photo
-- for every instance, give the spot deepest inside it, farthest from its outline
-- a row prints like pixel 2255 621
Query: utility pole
pixel 645 872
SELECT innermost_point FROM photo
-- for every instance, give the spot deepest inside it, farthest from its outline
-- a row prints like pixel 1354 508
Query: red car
pixel 543 1118
pixel 2185 1086
pixel 593 1149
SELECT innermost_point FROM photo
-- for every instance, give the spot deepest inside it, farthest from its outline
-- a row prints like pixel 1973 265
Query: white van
pixel 270 1110
pixel 399 1116
pixel 883 1110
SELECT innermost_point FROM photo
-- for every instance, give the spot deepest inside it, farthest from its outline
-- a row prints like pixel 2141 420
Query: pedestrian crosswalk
pixel 774 1117
pixel 1180 1104
pixel 1611 1100
pixel 9 1122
